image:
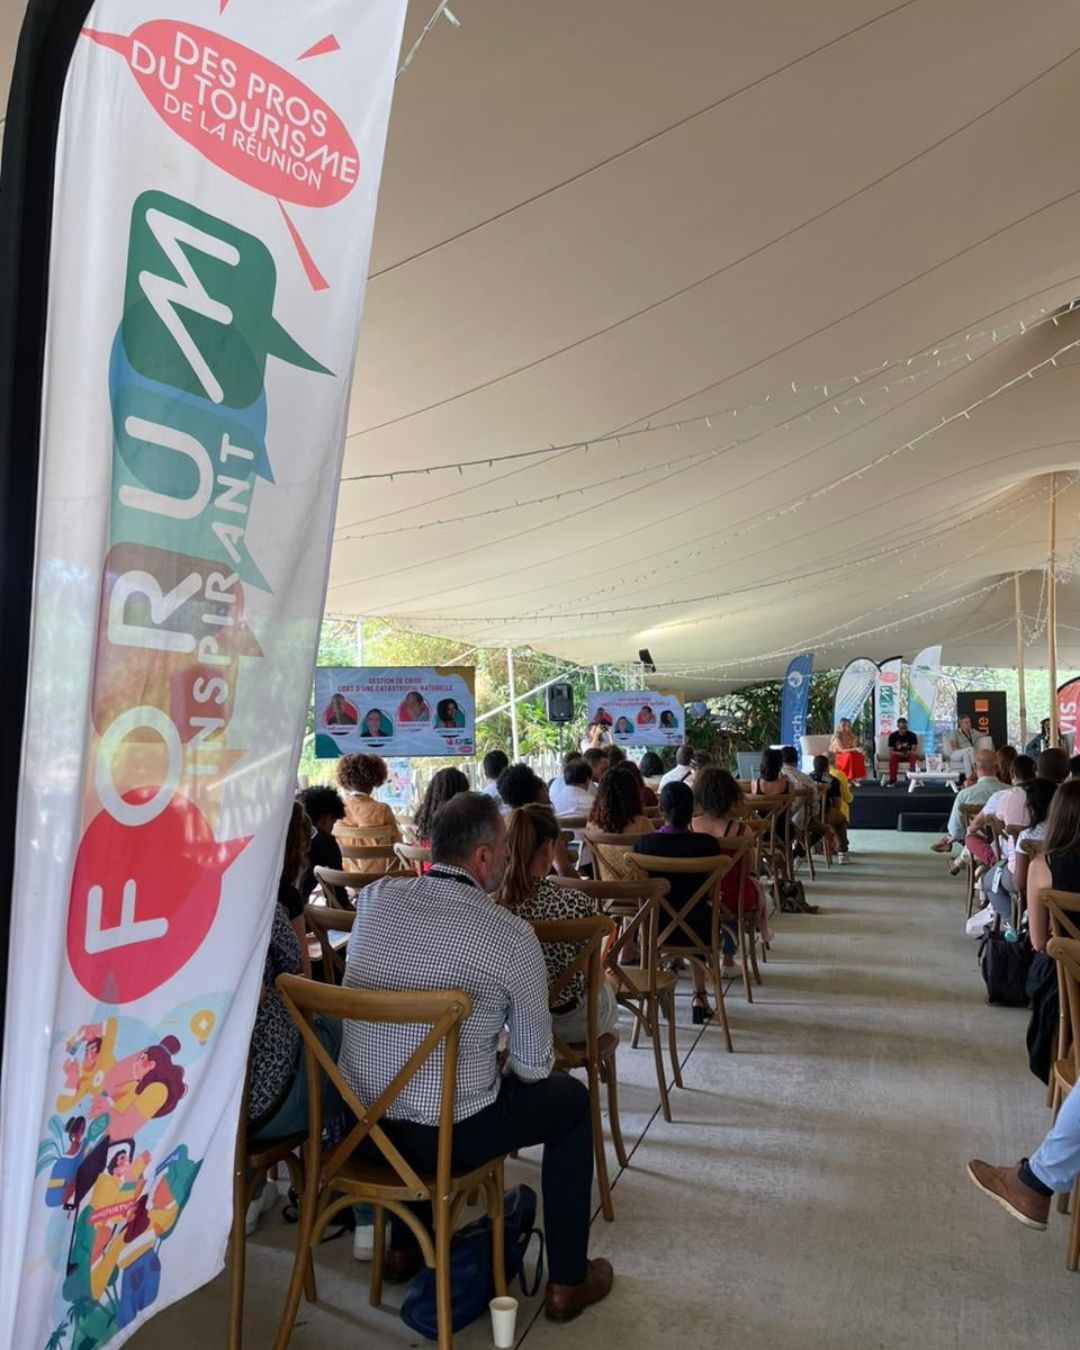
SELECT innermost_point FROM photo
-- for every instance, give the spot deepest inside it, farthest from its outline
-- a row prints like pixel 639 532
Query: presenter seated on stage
pixel 847 752
pixel 903 746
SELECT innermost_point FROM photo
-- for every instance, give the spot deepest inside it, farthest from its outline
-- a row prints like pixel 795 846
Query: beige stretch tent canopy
pixel 804 255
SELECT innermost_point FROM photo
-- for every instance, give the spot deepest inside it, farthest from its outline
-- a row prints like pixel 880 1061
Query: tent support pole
pixel 513 703
pixel 1020 661
pixel 1051 613
pixel 360 642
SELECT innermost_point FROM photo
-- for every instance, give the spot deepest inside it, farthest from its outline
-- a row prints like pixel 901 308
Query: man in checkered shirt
pixel 444 931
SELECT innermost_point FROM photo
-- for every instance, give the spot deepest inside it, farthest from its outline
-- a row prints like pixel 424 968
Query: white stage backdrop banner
pixel 639 717
pixel 217 172
pixel 407 711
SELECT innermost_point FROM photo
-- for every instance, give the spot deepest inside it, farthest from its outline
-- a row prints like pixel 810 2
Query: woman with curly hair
pixel 444 785
pixel 617 806
pixel 358 777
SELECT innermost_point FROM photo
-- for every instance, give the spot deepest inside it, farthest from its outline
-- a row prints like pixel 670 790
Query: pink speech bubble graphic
pixel 244 113
pixel 143 897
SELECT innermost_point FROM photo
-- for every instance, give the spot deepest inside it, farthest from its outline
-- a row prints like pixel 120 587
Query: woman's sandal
pixel 700 1010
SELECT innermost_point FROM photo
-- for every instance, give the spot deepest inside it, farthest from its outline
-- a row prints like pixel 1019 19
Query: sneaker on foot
pixel 942 846
pixel 363 1243
pixel 1003 1184
pixel 263 1203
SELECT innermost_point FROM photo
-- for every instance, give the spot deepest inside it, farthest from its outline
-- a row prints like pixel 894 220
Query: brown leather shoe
pixel 1003 1184
pixel 400 1267
pixel 564 1302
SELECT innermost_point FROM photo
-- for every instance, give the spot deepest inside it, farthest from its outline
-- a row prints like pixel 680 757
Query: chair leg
pixel 752 944
pixel 1072 1255
pixel 673 1044
pixel 237 1257
pixel 635 1035
pixel 603 1185
pixel 378 1259
pixel 301 1264
pixel 610 1077
pixel 496 1213
pixel 661 1076
pixel 718 988
pixel 809 855
pixel 443 1305
pixel 296 1176
pixel 744 960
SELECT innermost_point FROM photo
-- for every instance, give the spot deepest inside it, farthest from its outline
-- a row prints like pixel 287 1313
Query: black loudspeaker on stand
pixel 559 702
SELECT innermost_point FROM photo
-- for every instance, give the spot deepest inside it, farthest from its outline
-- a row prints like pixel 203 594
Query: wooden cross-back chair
pixel 1063 910
pixel 610 854
pixel 803 834
pixel 1066 952
pixel 826 840
pixel 640 985
pixel 412 857
pixel 967 815
pixel 251 1162
pixel 675 936
pixel 322 921
pixel 596 1054
pixel 336 1178
pixel 365 835
pixel 742 924
pixel 775 851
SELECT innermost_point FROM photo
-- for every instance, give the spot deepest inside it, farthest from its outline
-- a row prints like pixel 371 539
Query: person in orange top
pixel 358 777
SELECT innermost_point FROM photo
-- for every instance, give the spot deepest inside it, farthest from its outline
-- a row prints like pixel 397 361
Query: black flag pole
pixel 50 31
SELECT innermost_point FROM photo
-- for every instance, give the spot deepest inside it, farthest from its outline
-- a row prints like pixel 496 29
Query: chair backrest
pixel 413 856
pixel 441 1011
pixel 610 852
pixel 742 850
pixel 322 921
pixel 572 822
pixel 587 935
pixel 364 835
pixel 367 852
pixel 635 907
pixel 1066 952
pixel 968 812
pixel 675 930
pixel 333 883
pixel 1064 910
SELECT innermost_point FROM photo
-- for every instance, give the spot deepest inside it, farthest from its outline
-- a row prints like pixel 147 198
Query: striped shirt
pixel 441 931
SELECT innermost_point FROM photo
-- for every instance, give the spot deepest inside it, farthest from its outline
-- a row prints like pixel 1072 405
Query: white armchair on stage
pixel 810 746
pixel 881 757
pixel 963 760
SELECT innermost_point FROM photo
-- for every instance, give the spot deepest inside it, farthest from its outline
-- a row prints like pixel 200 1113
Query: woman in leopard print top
pixel 533 833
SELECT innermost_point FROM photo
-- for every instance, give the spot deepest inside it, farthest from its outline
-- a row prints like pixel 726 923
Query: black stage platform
pixel 877 808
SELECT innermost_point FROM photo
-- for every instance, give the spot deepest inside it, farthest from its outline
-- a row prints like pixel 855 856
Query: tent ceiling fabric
pixel 596 217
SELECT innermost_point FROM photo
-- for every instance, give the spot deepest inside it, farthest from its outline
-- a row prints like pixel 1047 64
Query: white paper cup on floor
pixel 503 1321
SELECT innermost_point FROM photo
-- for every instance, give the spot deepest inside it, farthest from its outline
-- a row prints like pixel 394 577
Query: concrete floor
pixel 811 1189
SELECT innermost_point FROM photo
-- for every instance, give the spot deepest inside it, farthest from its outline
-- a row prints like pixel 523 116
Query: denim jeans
pixel 1057 1161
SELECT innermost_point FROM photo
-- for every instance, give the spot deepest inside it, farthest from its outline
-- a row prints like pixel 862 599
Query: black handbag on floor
pixel 472 1285
pixel 1005 967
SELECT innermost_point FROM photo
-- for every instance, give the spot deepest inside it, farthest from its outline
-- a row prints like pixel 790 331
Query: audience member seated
pixel 684 767
pixel 1057 867
pixel 985 785
pixel 358 777
pixel 648 796
pixel 835 817
pixel 293 868
pixel 599 761
pixel 805 809
pixel 1026 1189
pixel 652 769
pixel 532 836
pixel 717 798
pixel 771 781
pixel 616 755
pixel 324 809
pixel 444 931
pixel 1001 885
pixel 572 795
pixel 675 839
pixel 492 765
pixel 617 807
pixel 847 752
pixel 1009 806
pixel 445 785
pixel 520 786
pixel 846 797
pixel 903 745
pixel 963 744
pixel 1006 758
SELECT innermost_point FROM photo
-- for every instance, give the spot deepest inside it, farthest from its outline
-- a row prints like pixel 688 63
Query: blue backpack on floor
pixel 472 1283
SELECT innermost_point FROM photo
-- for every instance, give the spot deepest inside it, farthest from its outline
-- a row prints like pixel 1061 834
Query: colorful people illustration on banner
pixel 448 716
pixel 377 725
pixel 340 712
pixel 113 1206
pixel 414 708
